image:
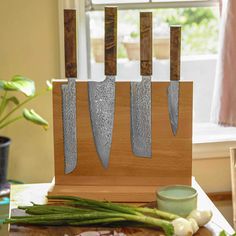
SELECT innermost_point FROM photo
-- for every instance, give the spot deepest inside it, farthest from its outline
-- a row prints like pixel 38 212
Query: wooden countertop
pixel 24 194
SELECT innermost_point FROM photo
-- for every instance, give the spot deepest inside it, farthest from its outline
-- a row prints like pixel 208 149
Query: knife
pixel 141 115
pixel 173 89
pixel 102 94
pixel 69 92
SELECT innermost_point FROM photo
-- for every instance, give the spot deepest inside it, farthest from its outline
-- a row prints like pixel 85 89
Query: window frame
pixel 149 5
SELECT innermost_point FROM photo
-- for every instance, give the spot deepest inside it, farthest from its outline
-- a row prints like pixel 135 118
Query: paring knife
pixel 141 114
pixel 102 94
pixel 69 92
pixel 173 89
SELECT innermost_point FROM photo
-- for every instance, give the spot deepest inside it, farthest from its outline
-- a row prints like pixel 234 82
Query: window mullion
pixel 159 4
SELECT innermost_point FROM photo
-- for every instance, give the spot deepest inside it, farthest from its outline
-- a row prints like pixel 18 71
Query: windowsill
pixel 212 133
pixel 211 141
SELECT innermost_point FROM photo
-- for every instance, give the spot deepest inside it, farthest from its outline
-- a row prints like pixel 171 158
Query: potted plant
pixel 13 110
pixel 98 49
pixel 161 42
pixel 131 45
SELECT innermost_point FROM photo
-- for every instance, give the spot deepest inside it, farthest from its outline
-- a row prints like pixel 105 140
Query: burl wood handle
pixel 175 51
pixel 146 43
pixel 70 43
pixel 110 40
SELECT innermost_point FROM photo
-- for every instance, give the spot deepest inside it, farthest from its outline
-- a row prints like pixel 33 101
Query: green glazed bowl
pixel 177 199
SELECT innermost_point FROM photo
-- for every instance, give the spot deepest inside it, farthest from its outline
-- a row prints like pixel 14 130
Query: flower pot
pixel 98 49
pixel 4 150
pixel 162 48
pixel 132 50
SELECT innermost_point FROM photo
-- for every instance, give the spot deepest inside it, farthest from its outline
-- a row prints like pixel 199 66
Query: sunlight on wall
pixel 29 46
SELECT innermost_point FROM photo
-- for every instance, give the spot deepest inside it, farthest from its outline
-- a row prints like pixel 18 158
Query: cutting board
pixel 90 231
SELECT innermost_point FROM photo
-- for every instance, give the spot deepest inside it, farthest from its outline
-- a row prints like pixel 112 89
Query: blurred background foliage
pixel 200 27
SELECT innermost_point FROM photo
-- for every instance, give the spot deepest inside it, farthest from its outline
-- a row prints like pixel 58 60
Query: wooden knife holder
pixel 128 178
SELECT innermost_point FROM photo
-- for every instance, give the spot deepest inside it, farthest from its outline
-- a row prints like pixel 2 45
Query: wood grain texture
pixel 110 40
pixel 233 181
pixel 146 43
pixel 114 231
pixel 70 43
pixel 175 52
pixel 171 162
pixel 220 196
pixel 24 194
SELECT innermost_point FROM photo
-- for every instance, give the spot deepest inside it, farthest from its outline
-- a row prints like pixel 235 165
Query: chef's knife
pixel 141 115
pixel 173 89
pixel 102 94
pixel 69 92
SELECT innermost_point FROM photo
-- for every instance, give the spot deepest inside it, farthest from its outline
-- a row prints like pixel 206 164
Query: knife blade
pixel 102 94
pixel 141 116
pixel 173 88
pixel 69 93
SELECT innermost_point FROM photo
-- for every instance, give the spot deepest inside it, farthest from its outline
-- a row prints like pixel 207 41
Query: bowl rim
pixel 161 196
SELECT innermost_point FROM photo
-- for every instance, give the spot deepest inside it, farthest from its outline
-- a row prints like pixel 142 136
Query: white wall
pixel 29 46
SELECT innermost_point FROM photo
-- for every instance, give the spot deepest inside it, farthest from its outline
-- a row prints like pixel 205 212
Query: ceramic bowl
pixel 177 199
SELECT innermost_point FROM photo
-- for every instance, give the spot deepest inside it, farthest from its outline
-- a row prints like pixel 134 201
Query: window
pixel 199 29
pixel 131 4
pixel 200 24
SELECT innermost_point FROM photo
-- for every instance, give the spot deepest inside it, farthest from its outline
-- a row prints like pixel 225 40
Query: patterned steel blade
pixel 141 117
pixel 69 124
pixel 173 105
pixel 102 102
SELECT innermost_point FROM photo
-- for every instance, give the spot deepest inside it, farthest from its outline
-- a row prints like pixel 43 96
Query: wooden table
pixel 24 194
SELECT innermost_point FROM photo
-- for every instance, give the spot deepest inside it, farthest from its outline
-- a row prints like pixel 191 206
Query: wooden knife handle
pixel 175 50
pixel 146 43
pixel 70 43
pixel 110 40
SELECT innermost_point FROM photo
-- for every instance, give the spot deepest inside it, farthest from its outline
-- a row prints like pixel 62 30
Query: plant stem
pixel 47 209
pixel 154 211
pixel 97 221
pixel 20 105
pixel 63 216
pixel 16 108
pixel 92 203
pixel 2 106
pixel 96 217
pixel 117 207
pixel 11 121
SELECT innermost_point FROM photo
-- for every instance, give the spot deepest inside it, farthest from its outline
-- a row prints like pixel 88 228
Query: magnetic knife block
pixel 128 178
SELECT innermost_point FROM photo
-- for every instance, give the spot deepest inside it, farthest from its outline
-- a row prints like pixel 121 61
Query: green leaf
pixel 13 99
pixel 222 233
pixel 32 116
pixel 19 83
pixel 49 85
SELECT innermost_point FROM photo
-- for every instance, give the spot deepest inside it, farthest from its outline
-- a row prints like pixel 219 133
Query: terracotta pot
pixel 4 150
pixel 98 49
pixel 161 48
pixel 132 50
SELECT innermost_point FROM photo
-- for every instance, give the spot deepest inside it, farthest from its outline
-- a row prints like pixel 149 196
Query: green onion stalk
pixel 76 211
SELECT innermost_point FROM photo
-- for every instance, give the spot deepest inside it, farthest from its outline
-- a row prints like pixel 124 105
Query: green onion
pixel 87 212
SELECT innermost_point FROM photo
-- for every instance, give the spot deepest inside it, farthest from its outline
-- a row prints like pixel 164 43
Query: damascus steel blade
pixel 141 117
pixel 173 105
pixel 69 124
pixel 102 102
